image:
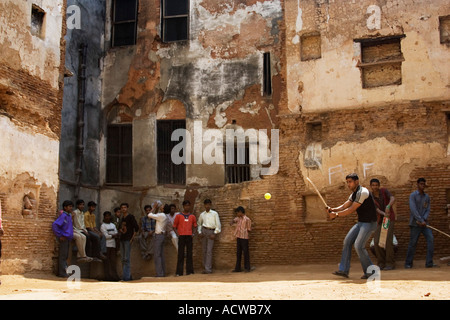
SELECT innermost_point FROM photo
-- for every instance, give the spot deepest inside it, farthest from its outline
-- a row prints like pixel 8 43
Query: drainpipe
pixel 80 116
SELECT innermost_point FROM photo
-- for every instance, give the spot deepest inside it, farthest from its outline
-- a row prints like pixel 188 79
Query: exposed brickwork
pixel 33 106
pixel 280 233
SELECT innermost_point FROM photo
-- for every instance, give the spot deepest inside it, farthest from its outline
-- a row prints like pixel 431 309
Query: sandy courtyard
pixel 311 282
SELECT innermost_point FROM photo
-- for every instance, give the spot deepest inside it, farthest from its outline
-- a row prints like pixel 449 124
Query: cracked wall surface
pixel 329 124
pixel 31 83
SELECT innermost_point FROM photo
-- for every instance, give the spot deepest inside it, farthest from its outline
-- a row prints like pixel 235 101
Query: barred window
pixel 119 154
pixel 174 20
pixel 239 169
pixel 124 25
pixel 169 172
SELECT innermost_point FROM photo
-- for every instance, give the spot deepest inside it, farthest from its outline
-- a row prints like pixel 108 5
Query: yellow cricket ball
pixel 267 196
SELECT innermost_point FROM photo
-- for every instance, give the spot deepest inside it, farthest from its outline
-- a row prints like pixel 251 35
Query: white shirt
pixel 209 220
pixel 161 219
pixel 78 220
pixel 108 230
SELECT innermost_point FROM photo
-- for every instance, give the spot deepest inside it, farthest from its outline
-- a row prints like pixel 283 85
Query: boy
pixel 183 225
pixel 171 214
pixel 94 233
pixel 419 211
pixel 146 234
pixel 80 232
pixel 361 202
pixel 128 229
pixel 110 233
pixel 384 201
pixel 243 227
pixel 63 229
pixel 208 227
pixel 159 236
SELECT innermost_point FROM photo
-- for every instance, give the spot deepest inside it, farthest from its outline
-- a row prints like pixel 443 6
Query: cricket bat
pixel 384 232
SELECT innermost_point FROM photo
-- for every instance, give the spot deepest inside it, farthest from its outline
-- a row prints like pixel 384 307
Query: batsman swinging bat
pixel 317 191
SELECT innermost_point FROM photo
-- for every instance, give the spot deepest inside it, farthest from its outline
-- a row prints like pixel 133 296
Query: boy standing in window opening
pixel 184 225
pixel 243 227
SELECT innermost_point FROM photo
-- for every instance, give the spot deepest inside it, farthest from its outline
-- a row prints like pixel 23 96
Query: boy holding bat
pixel 361 202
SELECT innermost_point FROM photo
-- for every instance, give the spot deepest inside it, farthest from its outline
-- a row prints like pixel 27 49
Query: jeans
pixel 207 249
pixel 414 237
pixel 242 247
pixel 184 242
pixel 125 250
pixel 358 235
pixel 160 263
pixel 63 256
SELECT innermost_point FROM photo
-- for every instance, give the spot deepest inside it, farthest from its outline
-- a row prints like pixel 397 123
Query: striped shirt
pixel 243 226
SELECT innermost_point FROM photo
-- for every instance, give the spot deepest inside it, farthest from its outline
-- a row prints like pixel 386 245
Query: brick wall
pixel 281 234
pixel 33 106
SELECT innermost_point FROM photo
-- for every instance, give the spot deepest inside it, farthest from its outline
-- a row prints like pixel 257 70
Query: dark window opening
pixel 124 22
pixel 444 30
pixel 37 21
pixel 314 131
pixel 119 154
pixel 237 171
pixel 267 77
pixel 175 20
pixel 168 171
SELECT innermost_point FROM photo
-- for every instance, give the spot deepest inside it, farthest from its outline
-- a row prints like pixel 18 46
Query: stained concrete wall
pixel 329 125
pixel 213 75
pixel 86 21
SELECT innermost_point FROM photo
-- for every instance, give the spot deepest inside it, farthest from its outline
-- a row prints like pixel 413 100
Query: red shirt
pixel 184 224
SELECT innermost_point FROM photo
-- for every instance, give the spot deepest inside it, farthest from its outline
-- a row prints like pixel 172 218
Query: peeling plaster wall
pixel 31 83
pixel 396 133
pixel 39 55
pixel 334 80
pixel 329 125
pixel 217 75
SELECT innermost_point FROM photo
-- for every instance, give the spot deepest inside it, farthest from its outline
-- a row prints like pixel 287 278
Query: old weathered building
pixel 368 92
pixel 31 82
pixel 354 86
pixel 330 87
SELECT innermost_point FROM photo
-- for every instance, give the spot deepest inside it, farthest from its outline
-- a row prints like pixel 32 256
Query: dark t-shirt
pixel 367 211
pixel 131 225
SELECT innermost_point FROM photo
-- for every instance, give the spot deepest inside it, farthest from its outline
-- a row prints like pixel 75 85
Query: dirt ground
pixel 305 282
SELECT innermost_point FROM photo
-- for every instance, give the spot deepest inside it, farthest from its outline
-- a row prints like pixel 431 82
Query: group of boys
pixel 374 211
pixel 102 245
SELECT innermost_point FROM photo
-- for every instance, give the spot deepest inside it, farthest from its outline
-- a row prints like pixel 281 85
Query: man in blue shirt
pixel 63 229
pixel 419 206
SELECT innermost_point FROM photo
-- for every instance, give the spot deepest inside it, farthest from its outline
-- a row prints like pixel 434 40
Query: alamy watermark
pixel 208 146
